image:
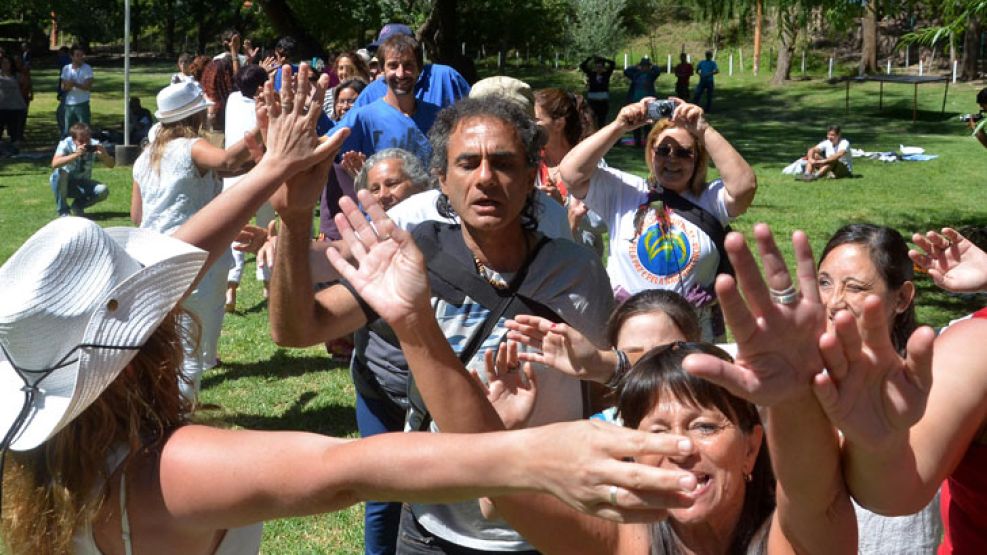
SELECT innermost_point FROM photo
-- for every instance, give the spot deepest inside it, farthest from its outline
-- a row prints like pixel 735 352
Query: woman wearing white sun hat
pixel 100 457
pixel 175 176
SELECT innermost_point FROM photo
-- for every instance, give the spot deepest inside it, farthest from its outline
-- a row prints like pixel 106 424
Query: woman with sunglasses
pixel 666 231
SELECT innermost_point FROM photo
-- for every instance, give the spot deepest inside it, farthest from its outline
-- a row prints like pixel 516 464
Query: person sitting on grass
pixel 73 165
pixel 830 157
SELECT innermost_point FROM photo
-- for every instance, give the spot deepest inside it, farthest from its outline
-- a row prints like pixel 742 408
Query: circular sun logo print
pixel 664 254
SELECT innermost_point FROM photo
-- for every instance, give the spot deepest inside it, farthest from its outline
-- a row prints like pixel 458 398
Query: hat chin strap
pixel 31 391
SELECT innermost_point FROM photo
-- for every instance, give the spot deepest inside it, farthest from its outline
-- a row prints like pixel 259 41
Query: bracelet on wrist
pixel 623 365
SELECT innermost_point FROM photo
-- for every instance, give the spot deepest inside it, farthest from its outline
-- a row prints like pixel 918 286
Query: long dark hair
pixel 889 253
pixel 659 372
pixel 562 104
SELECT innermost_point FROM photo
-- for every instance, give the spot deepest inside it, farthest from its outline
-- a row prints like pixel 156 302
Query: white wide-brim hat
pixel 179 101
pixel 78 303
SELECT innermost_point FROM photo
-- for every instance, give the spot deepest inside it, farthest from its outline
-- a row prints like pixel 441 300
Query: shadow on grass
pixel 931 296
pixel 259 307
pixel 333 420
pixel 103 216
pixel 278 366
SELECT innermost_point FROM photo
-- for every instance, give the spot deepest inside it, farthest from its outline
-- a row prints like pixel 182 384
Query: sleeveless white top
pixel 177 190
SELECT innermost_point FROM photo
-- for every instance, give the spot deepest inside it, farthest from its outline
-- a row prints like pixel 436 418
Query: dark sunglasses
pixel 682 153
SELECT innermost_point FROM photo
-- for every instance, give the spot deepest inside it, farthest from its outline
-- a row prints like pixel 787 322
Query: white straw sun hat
pixel 78 303
pixel 179 101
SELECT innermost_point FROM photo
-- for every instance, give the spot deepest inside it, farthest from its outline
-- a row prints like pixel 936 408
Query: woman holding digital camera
pixel 666 231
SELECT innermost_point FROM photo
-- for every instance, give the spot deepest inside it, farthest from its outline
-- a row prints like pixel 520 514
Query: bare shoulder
pixel 961 355
pixel 956 408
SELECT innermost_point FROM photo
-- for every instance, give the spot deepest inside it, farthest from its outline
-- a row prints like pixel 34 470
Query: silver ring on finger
pixel 788 295
pixel 613 495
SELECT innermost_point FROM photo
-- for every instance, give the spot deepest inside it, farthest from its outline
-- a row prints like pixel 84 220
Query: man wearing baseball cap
pixel 437 84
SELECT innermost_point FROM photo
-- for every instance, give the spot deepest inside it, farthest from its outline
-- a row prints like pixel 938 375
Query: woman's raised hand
pixel 870 392
pixel 634 115
pixel 287 121
pixel 510 387
pixel 391 277
pixel 689 116
pixel 951 260
pixel 776 326
pixel 558 346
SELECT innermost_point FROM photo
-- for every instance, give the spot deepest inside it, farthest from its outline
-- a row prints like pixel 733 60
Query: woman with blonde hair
pixel 667 231
pixel 176 175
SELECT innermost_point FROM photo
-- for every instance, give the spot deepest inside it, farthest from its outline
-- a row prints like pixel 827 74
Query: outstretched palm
pixel 870 392
pixel 558 346
pixel 391 277
pixel 777 343
pixel 951 260
pixel 511 391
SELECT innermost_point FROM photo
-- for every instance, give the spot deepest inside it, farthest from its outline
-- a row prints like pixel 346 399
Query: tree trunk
pixel 758 22
pixel 868 49
pixel 971 51
pixel 438 35
pixel 285 22
pixel 788 32
pixel 169 27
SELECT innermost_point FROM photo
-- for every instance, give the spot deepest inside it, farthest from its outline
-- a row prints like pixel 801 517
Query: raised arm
pixel 893 469
pixel 778 358
pixel 578 166
pixel 392 279
pixel 298 316
pixel 738 176
pixel 291 147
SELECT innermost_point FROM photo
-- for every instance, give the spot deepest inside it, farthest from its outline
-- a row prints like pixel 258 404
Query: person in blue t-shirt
pixel 706 69
pixel 398 120
pixel 437 84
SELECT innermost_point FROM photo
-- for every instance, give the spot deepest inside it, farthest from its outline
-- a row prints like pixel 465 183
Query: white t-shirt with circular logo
pixel 669 252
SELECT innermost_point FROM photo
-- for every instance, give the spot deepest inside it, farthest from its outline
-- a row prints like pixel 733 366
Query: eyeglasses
pixel 680 152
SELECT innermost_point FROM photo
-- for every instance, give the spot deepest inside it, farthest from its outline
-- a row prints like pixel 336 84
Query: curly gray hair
pixel 412 168
pixel 532 137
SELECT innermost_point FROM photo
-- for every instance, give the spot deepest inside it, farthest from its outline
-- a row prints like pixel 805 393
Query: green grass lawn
pixel 265 387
